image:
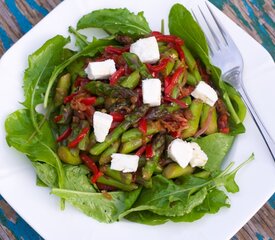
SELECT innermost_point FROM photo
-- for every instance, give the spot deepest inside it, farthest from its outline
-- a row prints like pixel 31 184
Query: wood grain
pixel 256 17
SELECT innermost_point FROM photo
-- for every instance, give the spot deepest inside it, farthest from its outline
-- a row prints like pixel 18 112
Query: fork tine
pixel 221 28
pixel 207 39
pixel 211 29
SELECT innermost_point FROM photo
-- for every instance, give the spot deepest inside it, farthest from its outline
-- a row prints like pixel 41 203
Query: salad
pixel 136 125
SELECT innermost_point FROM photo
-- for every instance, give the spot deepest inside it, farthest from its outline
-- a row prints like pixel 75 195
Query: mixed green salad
pixel 136 124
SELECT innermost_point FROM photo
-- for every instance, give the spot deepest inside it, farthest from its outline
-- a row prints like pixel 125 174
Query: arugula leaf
pixel 41 64
pixel 81 40
pixel 209 144
pixel 90 50
pixel 38 147
pixel 169 199
pixel 214 200
pixel 76 178
pixel 105 207
pixel 182 24
pixel 185 202
pixel 116 21
pixel 46 174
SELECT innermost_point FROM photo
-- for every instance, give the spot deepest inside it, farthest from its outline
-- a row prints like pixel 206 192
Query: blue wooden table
pixel 255 16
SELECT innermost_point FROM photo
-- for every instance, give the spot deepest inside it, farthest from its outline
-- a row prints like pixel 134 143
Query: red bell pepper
pixel 142 125
pixel 58 118
pixel 177 101
pixel 117 117
pixel 157 68
pixel 116 50
pixel 64 135
pixel 173 82
pixel 140 151
pixel 149 151
pixel 89 162
pixel 88 100
pixel 115 77
pixel 82 134
pixel 69 98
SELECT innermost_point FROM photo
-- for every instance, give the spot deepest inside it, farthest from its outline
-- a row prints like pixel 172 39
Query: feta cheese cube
pixel 180 151
pixel 185 153
pixel 102 124
pixel 101 70
pixel 206 93
pixel 146 49
pixel 151 91
pixel 124 162
pixel 199 157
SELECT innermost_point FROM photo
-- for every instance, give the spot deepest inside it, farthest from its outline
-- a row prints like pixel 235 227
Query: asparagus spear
pixel 173 170
pixel 134 63
pixel 104 89
pixel 213 125
pixel 134 133
pixel 62 89
pixel 150 165
pixel 131 81
pixel 134 144
pixel 191 62
pixel 196 109
pixel 105 157
pixel 114 183
pixel 117 175
pixel 116 133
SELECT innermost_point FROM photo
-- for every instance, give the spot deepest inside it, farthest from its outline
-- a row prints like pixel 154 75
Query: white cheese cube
pixel 199 157
pixel 124 162
pixel 146 49
pixel 180 151
pixel 102 124
pixel 101 70
pixel 206 93
pixel 151 91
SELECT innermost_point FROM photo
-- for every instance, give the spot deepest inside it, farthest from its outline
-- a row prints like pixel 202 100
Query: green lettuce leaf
pixel 41 64
pixel 209 144
pixel 103 207
pixel 116 21
pixel 21 135
pixel 46 174
pixel 80 39
pixel 182 24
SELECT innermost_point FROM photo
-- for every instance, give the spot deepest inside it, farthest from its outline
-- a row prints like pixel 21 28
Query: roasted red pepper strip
pixel 142 125
pixel 89 162
pixel 115 77
pixel 117 117
pixel 96 176
pixel 88 100
pixel 157 68
pixel 70 97
pixel 180 51
pixel 173 82
pixel 64 135
pixel 176 41
pixel 82 134
pixel 116 50
pixel 167 38
pixel 58 118
pixel 177 101
pixel 149 151
pixel 140 151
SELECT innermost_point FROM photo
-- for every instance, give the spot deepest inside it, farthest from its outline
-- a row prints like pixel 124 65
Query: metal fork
pixel 226 55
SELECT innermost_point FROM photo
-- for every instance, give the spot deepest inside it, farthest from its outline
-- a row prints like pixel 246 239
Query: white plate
pixel 41 210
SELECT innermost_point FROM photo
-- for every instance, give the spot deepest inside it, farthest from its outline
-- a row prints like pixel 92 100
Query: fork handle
pixel 267 138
